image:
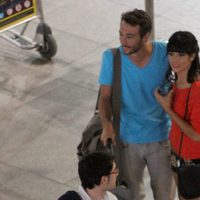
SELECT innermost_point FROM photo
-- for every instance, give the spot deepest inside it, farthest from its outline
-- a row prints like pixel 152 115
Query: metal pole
pixel 40 11
pixel 149 7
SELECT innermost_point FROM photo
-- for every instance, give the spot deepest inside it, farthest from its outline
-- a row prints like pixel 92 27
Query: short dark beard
pixel 132 51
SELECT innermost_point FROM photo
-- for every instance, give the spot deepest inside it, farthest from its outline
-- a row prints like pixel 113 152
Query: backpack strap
pixel 70 195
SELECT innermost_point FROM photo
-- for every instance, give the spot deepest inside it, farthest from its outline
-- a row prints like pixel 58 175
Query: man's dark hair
pixel 92 167
pixel 185 42
pixel 138 17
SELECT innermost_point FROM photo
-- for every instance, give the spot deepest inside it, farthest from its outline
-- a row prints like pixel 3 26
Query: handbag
pixel 189 181
pixel 90 140
pixel 188 173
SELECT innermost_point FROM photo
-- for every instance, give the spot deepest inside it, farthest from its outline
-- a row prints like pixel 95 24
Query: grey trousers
pixel 156 156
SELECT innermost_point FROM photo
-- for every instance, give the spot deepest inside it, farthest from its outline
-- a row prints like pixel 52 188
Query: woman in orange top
pixel 182 50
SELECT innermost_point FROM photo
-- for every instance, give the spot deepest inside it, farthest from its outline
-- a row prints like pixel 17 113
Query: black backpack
pixel 70 195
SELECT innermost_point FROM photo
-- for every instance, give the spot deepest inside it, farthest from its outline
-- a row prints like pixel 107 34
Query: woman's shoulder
pixel 196 89
pixel 196 85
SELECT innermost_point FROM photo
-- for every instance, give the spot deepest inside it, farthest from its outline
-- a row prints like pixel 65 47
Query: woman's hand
pixel 164 101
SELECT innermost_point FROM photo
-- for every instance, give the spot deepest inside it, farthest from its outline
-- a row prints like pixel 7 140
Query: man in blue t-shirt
pixel 144 125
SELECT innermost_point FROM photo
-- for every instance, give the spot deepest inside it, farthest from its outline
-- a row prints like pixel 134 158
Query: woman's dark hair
pixel 92 167
pixel 185 42
pixel 140 18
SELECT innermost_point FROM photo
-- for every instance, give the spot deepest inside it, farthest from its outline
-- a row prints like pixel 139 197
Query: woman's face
pixel 180 62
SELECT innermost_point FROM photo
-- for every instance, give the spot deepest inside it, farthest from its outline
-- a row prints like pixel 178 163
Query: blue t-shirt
pixel 142 119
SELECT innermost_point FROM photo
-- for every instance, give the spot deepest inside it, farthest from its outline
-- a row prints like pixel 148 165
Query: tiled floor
pixel 44 106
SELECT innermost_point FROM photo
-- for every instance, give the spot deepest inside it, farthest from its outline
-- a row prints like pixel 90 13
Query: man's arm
pixel 105 110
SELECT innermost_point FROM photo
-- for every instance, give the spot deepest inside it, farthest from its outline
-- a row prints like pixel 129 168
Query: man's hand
pixel 108 132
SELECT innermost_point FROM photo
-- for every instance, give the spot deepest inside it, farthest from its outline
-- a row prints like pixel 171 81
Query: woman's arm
pixel 166 102
pixel 185 127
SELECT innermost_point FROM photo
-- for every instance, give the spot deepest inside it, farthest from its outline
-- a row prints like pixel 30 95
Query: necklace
pixel 183 85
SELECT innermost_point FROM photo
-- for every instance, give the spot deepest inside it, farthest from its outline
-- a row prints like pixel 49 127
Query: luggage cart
pixel 21 12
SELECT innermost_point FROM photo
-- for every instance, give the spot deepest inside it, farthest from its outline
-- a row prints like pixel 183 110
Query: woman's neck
pixel 182 81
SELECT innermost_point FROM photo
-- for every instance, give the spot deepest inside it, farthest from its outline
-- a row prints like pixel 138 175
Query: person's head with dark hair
pixel 135 29
pixel 184 45
pixel 139 18
pixel 97 172
pixel 97 168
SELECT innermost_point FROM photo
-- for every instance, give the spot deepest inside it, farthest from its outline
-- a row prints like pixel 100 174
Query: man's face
pixel 130 38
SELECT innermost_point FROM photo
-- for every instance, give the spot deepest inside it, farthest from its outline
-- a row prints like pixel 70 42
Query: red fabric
pixel 190 148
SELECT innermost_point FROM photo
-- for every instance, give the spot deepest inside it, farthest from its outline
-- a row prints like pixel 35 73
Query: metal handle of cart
pixel 20 12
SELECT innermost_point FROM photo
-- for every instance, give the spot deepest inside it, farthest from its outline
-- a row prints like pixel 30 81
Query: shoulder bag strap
pixel 116 90
pixel 185 118
pixel 97 102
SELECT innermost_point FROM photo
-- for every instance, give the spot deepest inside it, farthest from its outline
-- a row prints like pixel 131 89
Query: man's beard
pixel 134 50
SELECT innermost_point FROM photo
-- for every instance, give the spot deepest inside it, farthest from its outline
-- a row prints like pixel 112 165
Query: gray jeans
pixel 156 156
